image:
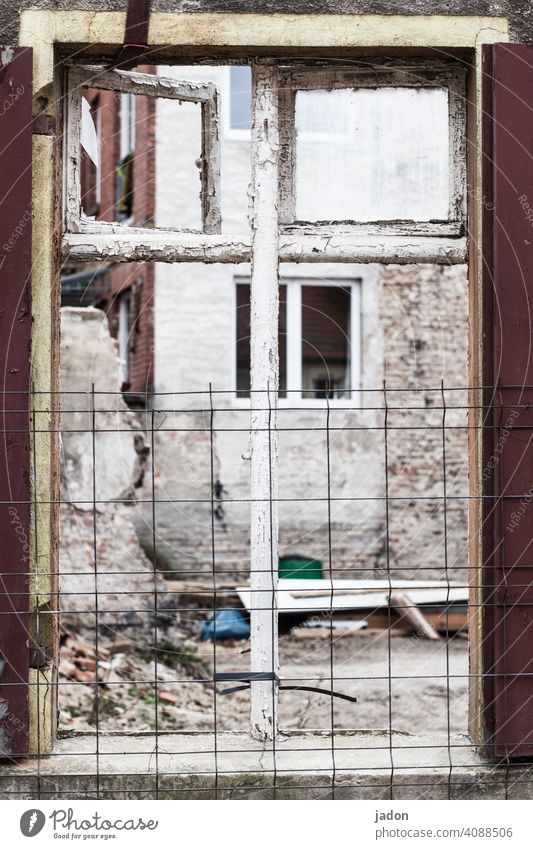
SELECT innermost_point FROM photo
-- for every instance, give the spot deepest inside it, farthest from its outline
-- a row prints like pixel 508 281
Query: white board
pixel 354 594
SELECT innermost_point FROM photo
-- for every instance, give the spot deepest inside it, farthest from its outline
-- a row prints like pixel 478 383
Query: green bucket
pixel 295 566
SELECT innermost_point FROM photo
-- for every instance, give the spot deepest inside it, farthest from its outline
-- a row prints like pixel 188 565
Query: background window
pixel 124 311
pixel 127 124
pixel 325 329
pixel 124 174
pixel 243 340
pixel 316 329
pixel 90 154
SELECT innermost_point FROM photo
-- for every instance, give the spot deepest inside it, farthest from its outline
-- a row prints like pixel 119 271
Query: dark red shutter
pixel 15 336
pixel 507 313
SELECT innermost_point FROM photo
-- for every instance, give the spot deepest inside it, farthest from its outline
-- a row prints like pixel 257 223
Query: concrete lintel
pixel 42 29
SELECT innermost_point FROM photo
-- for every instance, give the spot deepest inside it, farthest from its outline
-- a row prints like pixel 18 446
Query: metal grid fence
pixel 369 697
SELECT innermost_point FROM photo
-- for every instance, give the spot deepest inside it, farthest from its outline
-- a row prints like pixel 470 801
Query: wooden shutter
pixel 15 336
pixel 507 314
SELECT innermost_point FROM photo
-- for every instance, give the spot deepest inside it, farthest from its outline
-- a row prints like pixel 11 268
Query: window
pixel 127 124
pixel 90 159
pixel 125 166
pixel 318 339
pixel 321 213
pixel 390 140
pixel 128 85
pixel 375 165
pixel 124 310
pixel 319 319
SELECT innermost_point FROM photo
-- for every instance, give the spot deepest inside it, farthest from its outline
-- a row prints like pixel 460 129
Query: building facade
pixel 346 331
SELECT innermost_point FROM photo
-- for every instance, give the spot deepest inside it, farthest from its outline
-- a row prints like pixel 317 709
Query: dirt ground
pixel 428 683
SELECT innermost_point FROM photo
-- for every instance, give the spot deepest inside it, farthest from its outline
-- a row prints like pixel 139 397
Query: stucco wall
pixel 518 13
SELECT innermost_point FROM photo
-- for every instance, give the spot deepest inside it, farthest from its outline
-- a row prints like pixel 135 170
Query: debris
pixel 312 596
pixel 299 567
pixel 407 610
pixel 118 646
pixel 300 633
pixel 168 697
pixel 338 624
pixel 226 624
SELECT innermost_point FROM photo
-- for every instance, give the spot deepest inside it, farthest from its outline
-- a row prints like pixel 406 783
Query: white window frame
pixel 295 396
pixel 85 239
pixel 379 74
pixel 148 85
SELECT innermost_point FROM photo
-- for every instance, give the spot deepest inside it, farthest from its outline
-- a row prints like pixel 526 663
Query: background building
pixel 344 330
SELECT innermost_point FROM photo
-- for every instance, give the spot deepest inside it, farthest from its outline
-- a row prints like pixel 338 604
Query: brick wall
pixel 424 311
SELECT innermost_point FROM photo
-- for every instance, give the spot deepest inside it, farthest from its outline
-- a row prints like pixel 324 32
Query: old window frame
pixel 147 85
pixel 88 240
pixel 375 75
pixel 48 32
pixel 266 244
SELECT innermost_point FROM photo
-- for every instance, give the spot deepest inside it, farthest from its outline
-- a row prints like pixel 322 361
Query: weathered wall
pixel 415 323
pixel 518 13
pixel 123 573
pixel 424 311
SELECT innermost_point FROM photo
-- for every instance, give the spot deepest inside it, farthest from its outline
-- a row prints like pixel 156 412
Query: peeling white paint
pixel 121 244
pixel 150 85
pixel 264 366
pixel 6 56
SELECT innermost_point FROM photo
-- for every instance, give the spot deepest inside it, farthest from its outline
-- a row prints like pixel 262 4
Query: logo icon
pixel 32 822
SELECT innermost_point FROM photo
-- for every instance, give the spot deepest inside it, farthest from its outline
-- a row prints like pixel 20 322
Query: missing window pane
pixel 383 154
pixel 116 154
pixel 241 97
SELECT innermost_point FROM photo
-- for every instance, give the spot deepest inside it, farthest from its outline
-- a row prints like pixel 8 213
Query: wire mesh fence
pixel 146 646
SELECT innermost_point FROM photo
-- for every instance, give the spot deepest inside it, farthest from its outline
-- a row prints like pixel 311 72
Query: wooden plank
pixel 15 341
pixel 117 243
pixel 408 611
pixel 507 451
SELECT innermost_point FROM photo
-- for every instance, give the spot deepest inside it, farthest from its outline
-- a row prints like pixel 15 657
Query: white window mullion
pixel 264 370
pixel 294 342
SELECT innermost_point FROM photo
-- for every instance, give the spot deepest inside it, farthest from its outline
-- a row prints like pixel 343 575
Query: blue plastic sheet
pixel 226 624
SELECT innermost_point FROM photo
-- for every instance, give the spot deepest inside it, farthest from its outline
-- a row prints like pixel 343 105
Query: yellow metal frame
pixel 46 30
